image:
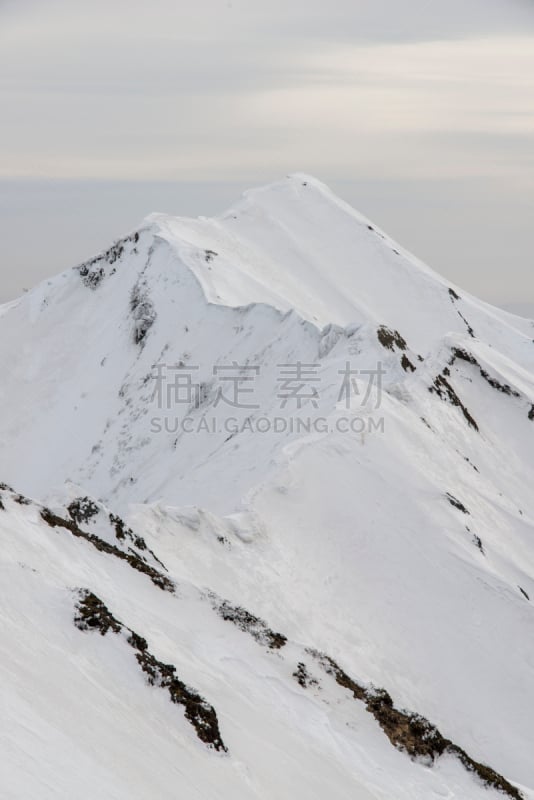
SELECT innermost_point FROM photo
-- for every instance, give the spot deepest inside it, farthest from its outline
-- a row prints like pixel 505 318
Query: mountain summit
pixel 267 518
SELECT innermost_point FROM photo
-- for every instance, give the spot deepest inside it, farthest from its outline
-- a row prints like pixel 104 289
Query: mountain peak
pixel 294 244
pixel 283 486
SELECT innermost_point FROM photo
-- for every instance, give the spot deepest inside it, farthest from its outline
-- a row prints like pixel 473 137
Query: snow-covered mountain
pixel 281 535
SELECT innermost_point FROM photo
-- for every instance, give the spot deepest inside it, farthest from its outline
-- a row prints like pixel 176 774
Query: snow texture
pixel 287 614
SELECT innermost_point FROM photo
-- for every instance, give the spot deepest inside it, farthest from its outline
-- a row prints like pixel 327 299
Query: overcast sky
pixel 419 112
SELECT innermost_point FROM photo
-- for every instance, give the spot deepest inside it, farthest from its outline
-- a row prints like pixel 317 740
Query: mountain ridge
pixel 373 503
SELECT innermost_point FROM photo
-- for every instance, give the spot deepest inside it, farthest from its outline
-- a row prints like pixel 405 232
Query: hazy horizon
pixel 420 115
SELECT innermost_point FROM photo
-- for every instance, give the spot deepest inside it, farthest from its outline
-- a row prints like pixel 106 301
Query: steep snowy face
pixel 125 680
pixel 295 245
pixel 292 273
pixel 323 456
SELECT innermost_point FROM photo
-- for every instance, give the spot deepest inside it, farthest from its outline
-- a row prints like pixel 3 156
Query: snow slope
pixel 402 546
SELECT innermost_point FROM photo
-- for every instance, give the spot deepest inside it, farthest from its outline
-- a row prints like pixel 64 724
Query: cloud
pixel 245 90
pixel 199 100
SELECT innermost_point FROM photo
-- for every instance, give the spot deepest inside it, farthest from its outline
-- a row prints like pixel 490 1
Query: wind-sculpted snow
pixel 254 288
pixel 311 443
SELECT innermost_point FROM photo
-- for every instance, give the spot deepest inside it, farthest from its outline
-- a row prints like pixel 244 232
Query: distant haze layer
pixel 421 114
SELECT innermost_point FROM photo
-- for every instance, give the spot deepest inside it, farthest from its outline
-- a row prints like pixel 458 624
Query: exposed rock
pixel 411 732
pixel 135 561
pixel 248 623
pixel 92 614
